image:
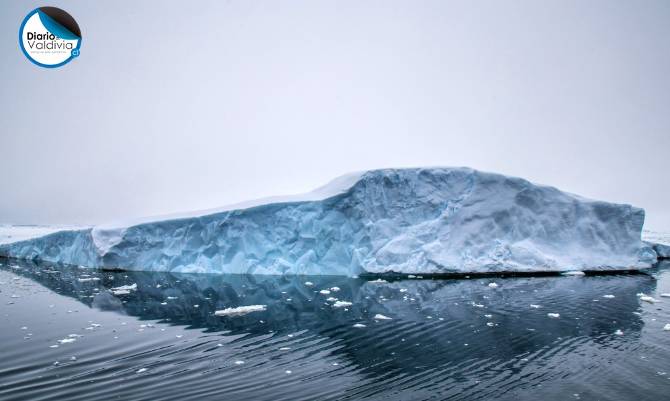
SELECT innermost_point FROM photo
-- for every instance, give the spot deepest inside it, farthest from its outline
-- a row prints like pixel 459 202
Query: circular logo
pixel 50 37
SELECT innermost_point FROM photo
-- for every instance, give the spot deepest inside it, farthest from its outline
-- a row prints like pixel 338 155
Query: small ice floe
pixel 553 315
pixel 284 348
pixel 403 290
pixel 309 283
pixel 488 316
pixel 124 289
pixel 618 333
pixel 476 305
pixel 666 327
pixel 141 370
pixel 88 279
pixel 647 298
pixel 73 358
pixel 411 276
pixel 324 292
pixel 331 299
pixel 171 298
pixel 378 281
pixel 341 304
pixel 359 325
pixel 573 273
pixel 240 310
pixel 67 340
pixel 608 296
pixel 379 316
pixel 665 295
pixel 335 289
pixel 288 372
pixel 535 306
pixel 490 324
pixel 239 362
pixel 493 285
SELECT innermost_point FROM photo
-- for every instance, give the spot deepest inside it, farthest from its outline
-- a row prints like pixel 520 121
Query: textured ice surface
pixel 430 220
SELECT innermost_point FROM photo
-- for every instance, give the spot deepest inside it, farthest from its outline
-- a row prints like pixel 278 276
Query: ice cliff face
pixel 433 220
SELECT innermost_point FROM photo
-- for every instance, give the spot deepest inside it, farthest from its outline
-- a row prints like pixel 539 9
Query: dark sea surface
pixel 64 335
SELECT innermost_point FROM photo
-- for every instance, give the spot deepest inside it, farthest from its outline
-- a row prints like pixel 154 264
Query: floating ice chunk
pixel 124 289
pixel 379 316
pixel 88 279
pixel 284 348
pixel 665 295
pixel 535 306
pixel 141 370
pixel 647 298
pixel 488 316
pixel 493 285
pixel 573 273
pixel 666 327
pixel 378 281
pixel 240 310
pixel 618 333
pixel 476 305
pixel 239 362
pixel 331 299
pixel 490 324
pixel 341 304
pixel 324 292
pixel 360 325
pixel 609 296
pixel 288 372
pixel 403 290
pixel 309 283
pixel 553 315
pixel 67 340
pixel 335 289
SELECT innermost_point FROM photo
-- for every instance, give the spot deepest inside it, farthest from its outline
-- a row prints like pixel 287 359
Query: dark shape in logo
pixel 50 37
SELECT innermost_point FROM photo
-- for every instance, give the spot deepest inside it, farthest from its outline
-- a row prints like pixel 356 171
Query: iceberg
pixel 409 221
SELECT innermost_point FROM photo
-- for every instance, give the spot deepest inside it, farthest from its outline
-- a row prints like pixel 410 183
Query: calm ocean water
pixel 65 335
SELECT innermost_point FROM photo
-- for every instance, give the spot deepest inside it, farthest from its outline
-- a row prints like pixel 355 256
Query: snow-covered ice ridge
pixel 422 220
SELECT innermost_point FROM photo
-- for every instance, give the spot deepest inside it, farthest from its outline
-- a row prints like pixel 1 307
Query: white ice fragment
pixel 609 296
pixel 403 290
pixel 67 340
pixel 124 289
pixel 379 316
pixel 665 295
pixel 573 273
pixel 288 372
pixel 553 315
pixel 331 299
pixel 324 292
pixel 335 289
pixel 490 324
pixel 239 362
pixel 359 325
pixel 666 327
pixel 378 281
pixel 488 316
pixel 88 279
pixel 240 310
pixel 647 298
pixel 493 285
pixel 309 283
pixel 141 370
pixel 618 333
pixel 284 348
pixel 341 304
pixel 535 306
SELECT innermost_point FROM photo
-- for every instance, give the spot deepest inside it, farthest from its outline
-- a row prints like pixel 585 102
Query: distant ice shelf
pixel 412 221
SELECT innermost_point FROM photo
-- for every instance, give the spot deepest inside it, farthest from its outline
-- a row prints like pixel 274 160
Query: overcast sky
pixel 184 105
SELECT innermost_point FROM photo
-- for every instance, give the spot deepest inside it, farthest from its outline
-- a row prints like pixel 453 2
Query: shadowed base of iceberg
pixel 438 221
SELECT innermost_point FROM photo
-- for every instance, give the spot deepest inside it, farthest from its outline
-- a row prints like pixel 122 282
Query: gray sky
pixel 176 107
